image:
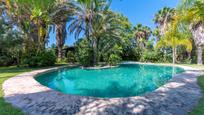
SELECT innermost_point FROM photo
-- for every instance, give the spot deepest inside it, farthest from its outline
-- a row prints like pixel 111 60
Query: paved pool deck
pixel 178 97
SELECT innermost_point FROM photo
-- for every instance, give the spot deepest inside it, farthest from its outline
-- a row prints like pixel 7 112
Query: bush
pixel 202 57
pixel 133 54
pixel 83 52
pixel 44 58
pixel 114 59
pixel 113 56
pixel 71 57
pixel 151 56
pixel 5 60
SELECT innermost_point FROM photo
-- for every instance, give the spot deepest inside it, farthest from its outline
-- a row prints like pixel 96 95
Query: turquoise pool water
pixel 123 81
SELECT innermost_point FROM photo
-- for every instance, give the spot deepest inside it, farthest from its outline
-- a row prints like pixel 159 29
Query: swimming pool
pixel 126 80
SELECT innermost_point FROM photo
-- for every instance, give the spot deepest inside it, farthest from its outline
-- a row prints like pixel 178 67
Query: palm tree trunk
pixel 198 38
pixel 59 54
pixel 199 55
pixel 94 52
pixel 174 55
pixel 165 55
pixel 59 42
pixel 39 38
pixel 189 55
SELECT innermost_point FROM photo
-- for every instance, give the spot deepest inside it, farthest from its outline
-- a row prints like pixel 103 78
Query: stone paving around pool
pixel 177 97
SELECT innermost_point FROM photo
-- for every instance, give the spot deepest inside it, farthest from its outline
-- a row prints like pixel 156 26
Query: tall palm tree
pixel 60 15
pixel 174 37
pixel 86 12
pixel 142 34
pixel 192 13
pixel 162 19
pixel 174 41
pixel 107 33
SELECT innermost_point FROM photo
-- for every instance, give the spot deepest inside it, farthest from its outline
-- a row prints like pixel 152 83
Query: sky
pixel 137 11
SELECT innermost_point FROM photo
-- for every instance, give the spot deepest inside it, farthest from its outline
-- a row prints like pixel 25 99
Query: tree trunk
pixel 189 57
pixel 198 37
pixel 199 55
pixel 60 41
pixel 174 55
pixel 17 56
pixel 94 52
pixel 59 54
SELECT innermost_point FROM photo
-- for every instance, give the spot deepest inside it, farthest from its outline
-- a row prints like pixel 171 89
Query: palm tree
pixel 87 13
pixel 192 13
pixel 174 41
pixel 162 19
pixel 31 16
pixel 175 37
pixel 107 33
pixel 60 15
pixel 156 33
pixel 142 34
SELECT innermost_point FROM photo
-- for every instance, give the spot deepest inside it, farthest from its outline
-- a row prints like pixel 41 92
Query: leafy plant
pixel 150 56
pixel 114 59
pixel 193 16
pixel 71 57
pixel 174 37
pixel 44 58
pixel 83 52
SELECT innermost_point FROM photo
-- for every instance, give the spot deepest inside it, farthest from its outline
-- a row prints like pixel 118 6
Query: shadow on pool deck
pixel 178 97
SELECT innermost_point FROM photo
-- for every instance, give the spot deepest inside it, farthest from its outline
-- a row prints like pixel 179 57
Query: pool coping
pixel 24 92
pixel 98 68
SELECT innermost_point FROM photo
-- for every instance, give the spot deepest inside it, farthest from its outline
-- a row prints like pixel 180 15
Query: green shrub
pixel 113 55
pixel 133 54
pixel 202 57
pixel 5 60
pixel 83 52
pixel 44 58
pixel 114 59
pixel 150 56
pixel 71 57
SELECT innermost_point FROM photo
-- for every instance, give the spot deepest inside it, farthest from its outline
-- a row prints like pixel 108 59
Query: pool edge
pixel 35 87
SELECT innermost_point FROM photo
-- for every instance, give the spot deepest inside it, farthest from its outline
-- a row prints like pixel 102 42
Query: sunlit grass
pixel 5 73
pixel 199 109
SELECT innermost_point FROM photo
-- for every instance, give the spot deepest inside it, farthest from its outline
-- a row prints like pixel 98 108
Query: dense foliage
pixel 83 53
pixel 40 59
pixel 102 35
pixel 10 43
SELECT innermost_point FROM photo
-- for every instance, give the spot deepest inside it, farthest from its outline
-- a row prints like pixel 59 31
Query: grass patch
pixel 199 109
pixel 6 73
pixel 194 66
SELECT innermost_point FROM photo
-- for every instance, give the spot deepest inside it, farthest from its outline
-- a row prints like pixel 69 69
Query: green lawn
pixel 199 109
pixel 194 66
pixel 8 72
pixel 5 73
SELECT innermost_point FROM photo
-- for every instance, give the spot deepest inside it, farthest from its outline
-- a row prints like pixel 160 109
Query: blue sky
pixel 137 11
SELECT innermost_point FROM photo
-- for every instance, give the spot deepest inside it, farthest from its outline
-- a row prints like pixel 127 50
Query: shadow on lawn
pixel 178 99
